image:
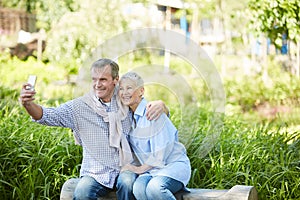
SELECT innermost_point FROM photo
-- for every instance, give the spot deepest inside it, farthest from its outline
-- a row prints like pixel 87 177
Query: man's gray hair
pixel 103 62
pixel 134 77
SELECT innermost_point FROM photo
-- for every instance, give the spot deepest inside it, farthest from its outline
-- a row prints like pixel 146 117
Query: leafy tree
pixel 74 27
pixel 27 5
pixel 47 12
pixel 275 18
pixel 76 34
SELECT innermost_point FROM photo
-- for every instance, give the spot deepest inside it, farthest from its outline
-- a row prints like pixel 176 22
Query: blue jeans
pixel 125 183
pixel 158 187
pixel 89 189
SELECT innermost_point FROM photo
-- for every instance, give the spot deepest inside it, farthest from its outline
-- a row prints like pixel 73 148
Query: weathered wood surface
pixel 238 192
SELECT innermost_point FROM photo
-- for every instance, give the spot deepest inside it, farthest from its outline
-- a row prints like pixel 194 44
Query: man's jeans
pixel 125 184
pixel 89 189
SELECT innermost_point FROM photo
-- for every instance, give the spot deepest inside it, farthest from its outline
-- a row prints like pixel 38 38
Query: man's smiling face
pixel 103 83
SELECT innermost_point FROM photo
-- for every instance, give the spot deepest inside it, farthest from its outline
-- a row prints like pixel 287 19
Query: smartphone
pixel 31 80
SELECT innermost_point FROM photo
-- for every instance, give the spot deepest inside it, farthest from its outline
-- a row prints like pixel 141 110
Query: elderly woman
pixel 164 167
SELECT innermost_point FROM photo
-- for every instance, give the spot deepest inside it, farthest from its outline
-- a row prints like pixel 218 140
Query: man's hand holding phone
pixel 27 98
pixel 28 92
pixel 31 82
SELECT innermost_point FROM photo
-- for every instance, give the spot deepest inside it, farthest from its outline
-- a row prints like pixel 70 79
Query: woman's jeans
pixel 146 187
pixel 89 189
pixel 158 187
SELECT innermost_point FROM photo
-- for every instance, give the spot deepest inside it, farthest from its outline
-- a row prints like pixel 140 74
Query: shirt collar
pixel 141 109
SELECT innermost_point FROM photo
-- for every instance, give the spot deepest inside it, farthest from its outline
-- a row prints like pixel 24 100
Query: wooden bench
pixel 237 192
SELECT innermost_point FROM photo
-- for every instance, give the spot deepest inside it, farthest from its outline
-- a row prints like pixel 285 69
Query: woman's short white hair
pixel 134 77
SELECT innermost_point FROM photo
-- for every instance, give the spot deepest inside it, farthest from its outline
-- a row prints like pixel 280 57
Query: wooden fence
pixel 12 21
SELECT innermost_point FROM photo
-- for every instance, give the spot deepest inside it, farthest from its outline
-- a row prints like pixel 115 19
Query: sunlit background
pixel 253 44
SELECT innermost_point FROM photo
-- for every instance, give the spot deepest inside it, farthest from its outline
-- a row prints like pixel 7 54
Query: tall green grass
pixel 37 160
pixel 263 155
pixel 34 160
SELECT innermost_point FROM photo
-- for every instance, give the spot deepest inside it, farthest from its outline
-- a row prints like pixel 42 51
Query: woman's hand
pixel 136 169
pixel 128 167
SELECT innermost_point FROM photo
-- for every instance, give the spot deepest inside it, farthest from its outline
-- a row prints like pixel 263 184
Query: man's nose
pixel 98 83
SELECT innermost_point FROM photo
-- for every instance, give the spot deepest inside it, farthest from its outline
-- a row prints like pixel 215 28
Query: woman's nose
pixel 125 91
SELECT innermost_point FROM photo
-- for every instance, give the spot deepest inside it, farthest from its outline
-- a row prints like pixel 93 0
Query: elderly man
pixel 88 118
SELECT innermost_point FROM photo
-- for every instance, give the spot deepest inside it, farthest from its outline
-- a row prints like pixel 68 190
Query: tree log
pixel 237 192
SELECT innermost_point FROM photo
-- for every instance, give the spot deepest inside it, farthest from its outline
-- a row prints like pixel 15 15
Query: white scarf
pixel 116 137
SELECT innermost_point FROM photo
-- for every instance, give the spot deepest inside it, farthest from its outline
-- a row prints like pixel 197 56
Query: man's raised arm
pixel 26 99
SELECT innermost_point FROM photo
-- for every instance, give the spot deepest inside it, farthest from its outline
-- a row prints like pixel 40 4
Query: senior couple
pixel 128 143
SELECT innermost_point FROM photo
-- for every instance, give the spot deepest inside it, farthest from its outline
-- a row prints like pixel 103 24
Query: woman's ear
pixel 142 90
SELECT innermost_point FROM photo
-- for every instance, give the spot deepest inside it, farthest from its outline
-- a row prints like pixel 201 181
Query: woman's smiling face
pixel 130 94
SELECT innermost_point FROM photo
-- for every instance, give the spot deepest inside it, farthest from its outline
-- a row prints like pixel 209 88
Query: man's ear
pixel 116 80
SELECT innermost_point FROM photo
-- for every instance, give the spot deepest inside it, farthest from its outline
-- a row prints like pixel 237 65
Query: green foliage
pixel 74 27
pixel 9 94
pixel 264 155
pixel 258 98
pixel 275 18
pixel 47 12
pixel 35 160
pixel 52 80
pixel 253 91
pixel 79 33
pixel 27 5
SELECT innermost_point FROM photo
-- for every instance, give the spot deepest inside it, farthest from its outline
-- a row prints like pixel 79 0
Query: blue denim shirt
pixel 155 143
